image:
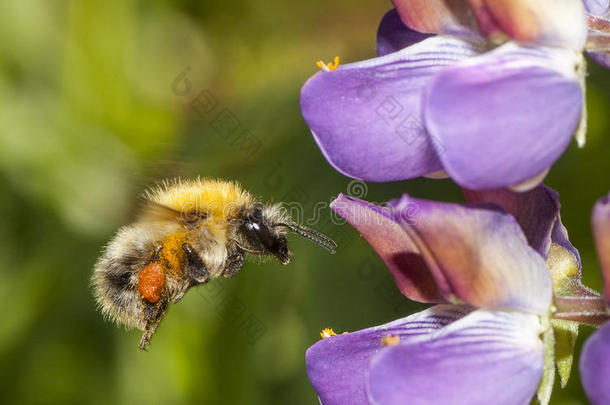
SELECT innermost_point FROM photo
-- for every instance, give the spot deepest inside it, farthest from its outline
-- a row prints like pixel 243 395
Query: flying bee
pixel 188 233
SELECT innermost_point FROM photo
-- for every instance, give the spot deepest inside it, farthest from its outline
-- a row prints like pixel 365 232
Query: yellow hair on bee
pixel 218 198
pixel 187 233
pixel 171 256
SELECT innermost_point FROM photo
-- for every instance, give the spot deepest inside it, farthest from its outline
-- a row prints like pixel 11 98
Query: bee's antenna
pixel 312 235
pixel 316 233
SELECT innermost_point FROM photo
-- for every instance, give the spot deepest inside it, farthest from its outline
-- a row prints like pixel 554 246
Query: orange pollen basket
pixel 151 281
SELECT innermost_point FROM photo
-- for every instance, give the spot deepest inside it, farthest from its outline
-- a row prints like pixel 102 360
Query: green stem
pixel 590 310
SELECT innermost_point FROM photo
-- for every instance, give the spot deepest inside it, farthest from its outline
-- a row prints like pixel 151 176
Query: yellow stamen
pixel 327 67
pixel 327 332
pixel 335 63
pixel 389 340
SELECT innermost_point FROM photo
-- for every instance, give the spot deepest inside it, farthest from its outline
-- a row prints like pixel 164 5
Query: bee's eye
pixel 256 228
pixel 263 239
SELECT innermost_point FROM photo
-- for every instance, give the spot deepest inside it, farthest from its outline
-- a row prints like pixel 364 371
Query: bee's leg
pixel 154 257
pixel 194 266
pixel 180 295
pixel 234 265
pixel 153 313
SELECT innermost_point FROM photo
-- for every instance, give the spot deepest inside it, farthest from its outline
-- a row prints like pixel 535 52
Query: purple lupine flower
pixel 487 116
pixel 492 267
pixel 542 22
pixel 599 31
pixel 597 7
pixel 595 356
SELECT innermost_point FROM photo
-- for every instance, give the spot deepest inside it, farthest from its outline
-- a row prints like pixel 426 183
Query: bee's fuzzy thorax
pixel 219 198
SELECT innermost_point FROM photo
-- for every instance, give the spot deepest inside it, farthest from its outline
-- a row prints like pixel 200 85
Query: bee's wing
pixel 159 212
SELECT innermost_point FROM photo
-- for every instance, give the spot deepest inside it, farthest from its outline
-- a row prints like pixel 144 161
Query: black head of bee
pixel 265 237
pixel 266 234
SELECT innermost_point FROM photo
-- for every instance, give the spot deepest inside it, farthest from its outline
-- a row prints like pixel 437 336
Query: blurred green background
pixel 91 114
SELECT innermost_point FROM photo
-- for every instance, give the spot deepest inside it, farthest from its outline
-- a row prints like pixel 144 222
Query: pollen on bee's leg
pixel 389 340
pixel 327 67
pixel 151 281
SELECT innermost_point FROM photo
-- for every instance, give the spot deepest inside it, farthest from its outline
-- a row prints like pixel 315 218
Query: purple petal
pixel 536 211
pixel 595 366
pixel 601 232
pixel 597 7
pixel 601 58
pixel 477 255
pixel 559 23
pixel 599 35
pixel 437 16
pixel 483 358
pixel 336 366
pixel 505 116
pixel 393 246
pixel 393 35
pixel 367 117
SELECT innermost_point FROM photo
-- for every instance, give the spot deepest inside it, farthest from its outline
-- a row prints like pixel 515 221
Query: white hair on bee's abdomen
pixel 115 276
pixel 116 273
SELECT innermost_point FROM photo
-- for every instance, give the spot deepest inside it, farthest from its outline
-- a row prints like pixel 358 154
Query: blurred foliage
pixel 89 117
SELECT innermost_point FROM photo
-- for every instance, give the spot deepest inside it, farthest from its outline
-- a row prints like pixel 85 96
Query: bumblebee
pixel 188 233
